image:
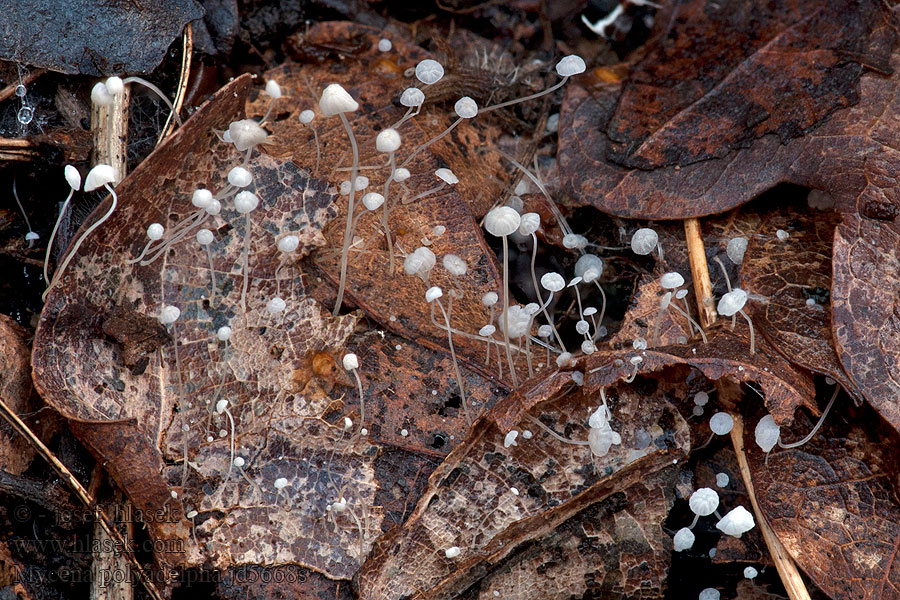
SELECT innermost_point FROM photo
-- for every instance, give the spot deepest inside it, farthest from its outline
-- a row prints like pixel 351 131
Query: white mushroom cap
pixel 735 249
pixel 412 97
pixel 246 134
pixel 683 540
pixel 530 223
pixel 223 333
pixel 245 202
pixel 73 177
pixel 99 176
pixel 419 262
pixel 737 522
pixel 276 305
pixel 767 433
pixel 455 265
pixel 214 208
pixel 589 263
pixel 465 108
pixel 201 198
pixel 750 573
pixel 335 100
pixel 273 89
pixel 574 240
pixel 350 361
pixel 280 483
pixel 433 293
pixel 169 314
pixel 721 423
pixel 429 71
pixel 385 45
pixel 510 439
pixel 517 319
pixel 401 174
pixel 671 281
pixel 447 176
pixel 732 302
pixel 502 221
pixel 205 237
pixel 644 241
pixel 115 85
pixel 387 140
pixel 704 502
pixel 601 439
pixel 100 95
pixel 490 298
pixel 155 231
pixel 288 243
pixel 545 331
pixel 709 593
pixel 552 282
pixel 306 116
pixel 372 200
pixel 570 65
pixel 240 177
pixel 487 331
pixel 452 552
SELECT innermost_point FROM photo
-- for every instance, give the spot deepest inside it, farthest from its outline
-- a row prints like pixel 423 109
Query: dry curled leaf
pixel 490 497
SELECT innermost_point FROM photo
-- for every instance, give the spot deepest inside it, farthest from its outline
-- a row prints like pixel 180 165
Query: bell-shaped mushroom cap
pixel 552 282
pixel 306 116
pixel 704 502
pixel 517 319
pixel 350 361
pixel 115 85
pixel 387 140
pixel 419 262
pixel 201 198
pixel 372 200
pixel 335 100
pixel 735 249
pixel 412 97
pixel 433 293
pixel 239 177
pixel 589 264
pixel 530 223
pixel 465 108
pixel 737 522
pixel 600 440
pixel 246 134
pixel 273 89
pixel 288 243
pixel 732 302
pixel 455 265
pixel 99 176
pixel 767 433
pixel 100 95
pixel 721 423
pixel 245 202
pixel 683 540
pixel 644 241
pixel 447 176
pixel 671 281
pixel 73 177
pixel 429 71
pixel 570 65
pixel 502 221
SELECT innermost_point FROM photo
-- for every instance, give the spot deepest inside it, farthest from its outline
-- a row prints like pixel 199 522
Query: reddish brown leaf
pixel 488 499
pixel 833 502
pixel 726 355
pixel 641 319
pixel 784 276
pixel 726 73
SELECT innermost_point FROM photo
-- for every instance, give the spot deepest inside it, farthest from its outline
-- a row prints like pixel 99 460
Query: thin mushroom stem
pixel 690 320
pixel 752 334
pixel 385 214
pixel 728 283
pixel 57 276
pixel 512 366
pixel 549 90
pixel 245 257
pixel 537 291
pixel 459 379
pixel 62 211
pixel 212 276
pixel 156 91
pixel 431 141
pixel 362 401
pixel 817 426
pixel 348 230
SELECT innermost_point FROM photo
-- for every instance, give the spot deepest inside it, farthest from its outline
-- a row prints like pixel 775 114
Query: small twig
pixel 187 49
pixel 784 563
pixel 700 272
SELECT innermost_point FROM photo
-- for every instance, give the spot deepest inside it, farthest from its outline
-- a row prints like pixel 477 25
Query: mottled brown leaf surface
pixel 472 500
pixel 726 355
pixel 850 155
pixel 145 427
pixel 726 73
pixel 784 276
pixel 615 548
pixel 643 313
pixel 833 502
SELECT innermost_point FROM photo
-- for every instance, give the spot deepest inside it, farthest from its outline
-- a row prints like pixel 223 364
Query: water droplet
pixel 25 115
pixel 21 90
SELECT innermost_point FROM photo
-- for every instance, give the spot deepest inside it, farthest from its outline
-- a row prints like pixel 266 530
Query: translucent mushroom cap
pixel 601 439
pixel 73 177
pixel 732 302
pixel 245 202
pixel 574 240
pixel 205 237
pixel 735 249
pixel 465 108
pixel 246 134
pixel 350 361
pixel 502 221
pixel 155 231
pixel 683 540
pixel 487 331
pixel 589 267
pixel 704 502
pixel 372 200
pixel 419 262
pixel 100 95
pixel 530 223
pixel 412 97
pixel 644 241
pixel 737 522
pixel 709 594
pixel 517 319
pixel 455 265
pixel 276 305
pixel 552 282
pixel 767 433
pixel 671 281
pixel 387 140
pixel 240 177
pixel 429 71
pixel 115 85
pixel 721 423
pixel 335 100
pixel 433 293
pixel 201 198
pixel 306 116
pixel 447 176
pixel 99 176
pixel 169 314
pixel 288 243
pixel 570 65
pixel 273 89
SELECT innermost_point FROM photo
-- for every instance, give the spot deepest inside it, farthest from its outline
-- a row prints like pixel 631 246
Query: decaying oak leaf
pixel 790 284
pixel 443 220
pixel 865 310
pixel 727 354
pixel 833 502
pixel 726 73
pixel 174 429
pixel 847 155
pixel 615 548
pixel 491 497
